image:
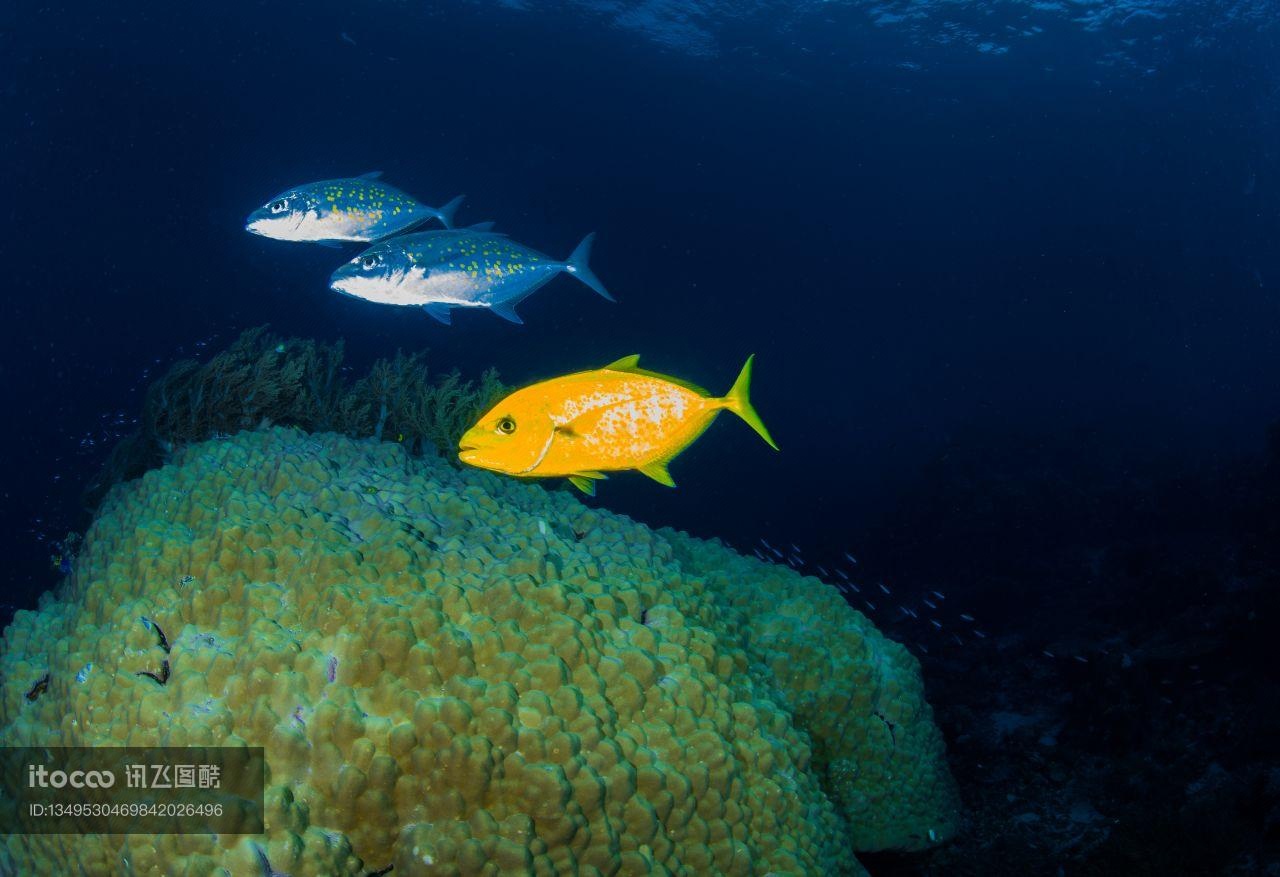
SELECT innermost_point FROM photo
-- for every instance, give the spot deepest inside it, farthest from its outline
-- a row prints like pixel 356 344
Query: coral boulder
pixel 455 673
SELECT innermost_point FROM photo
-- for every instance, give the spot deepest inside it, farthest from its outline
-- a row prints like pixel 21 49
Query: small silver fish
pixel 939 595
pixel 851 558
pixel 964 616
pixel 884 589
pixel 84 672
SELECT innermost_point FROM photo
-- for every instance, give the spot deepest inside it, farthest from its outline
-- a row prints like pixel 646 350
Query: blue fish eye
pixel 369 262
pixel 278 206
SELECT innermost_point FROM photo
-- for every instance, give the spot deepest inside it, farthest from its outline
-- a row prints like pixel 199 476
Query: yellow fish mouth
pixel 467 453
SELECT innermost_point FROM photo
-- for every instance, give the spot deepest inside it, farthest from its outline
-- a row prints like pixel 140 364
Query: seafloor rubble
pixel 454 673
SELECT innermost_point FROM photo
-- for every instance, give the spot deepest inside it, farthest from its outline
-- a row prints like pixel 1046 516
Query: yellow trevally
pixel 583 425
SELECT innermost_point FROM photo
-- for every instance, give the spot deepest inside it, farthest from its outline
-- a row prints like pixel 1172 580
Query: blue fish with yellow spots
pixel 361 209
pixel 442 270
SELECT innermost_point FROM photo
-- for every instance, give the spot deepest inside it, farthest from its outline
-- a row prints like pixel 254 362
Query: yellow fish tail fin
pixel 738 400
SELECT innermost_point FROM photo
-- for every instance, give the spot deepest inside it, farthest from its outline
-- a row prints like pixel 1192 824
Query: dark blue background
pixel 1038 244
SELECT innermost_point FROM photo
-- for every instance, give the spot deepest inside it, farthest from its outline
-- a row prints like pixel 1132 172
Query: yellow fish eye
pixel 506 425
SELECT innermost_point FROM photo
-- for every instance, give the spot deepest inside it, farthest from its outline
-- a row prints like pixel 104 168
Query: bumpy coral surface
pixel 454 673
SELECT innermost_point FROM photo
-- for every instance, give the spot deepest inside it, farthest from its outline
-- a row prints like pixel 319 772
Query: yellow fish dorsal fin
pixel 586 481
pixel 626 364
pixel 631 365
pixel 657 470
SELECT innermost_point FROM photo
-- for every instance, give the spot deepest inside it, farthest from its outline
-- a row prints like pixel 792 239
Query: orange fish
pixel 583 425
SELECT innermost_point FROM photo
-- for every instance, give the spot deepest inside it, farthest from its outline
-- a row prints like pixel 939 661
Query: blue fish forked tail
pixel 577 265
pixel 445 213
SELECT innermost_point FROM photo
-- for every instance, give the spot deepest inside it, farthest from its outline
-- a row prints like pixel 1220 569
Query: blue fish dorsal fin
pixel 631 365
pixel 372 175
pixel 439 312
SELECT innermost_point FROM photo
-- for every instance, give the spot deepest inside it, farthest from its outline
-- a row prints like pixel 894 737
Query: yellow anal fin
pixel 586 481
pixel 658 472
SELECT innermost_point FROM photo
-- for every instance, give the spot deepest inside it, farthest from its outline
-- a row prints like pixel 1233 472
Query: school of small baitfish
pixel 578 426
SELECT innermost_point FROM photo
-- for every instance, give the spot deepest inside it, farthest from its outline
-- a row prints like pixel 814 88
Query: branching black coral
pixel 263 379
pixel 399 399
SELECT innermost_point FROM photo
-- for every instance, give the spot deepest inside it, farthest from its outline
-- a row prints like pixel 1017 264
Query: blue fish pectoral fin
pixel 372 175
pixel 657 470
pixel 586 481
pixel 577 265
pixel 439 312
pixel 507 310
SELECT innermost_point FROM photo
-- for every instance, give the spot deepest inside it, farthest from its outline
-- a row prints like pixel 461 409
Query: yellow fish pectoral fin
pixel 657 470
pixel 586 481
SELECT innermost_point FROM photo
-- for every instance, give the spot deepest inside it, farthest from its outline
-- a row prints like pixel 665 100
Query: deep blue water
pixel 1038 236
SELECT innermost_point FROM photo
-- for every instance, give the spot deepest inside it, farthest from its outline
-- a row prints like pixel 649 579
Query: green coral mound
pixel 456 673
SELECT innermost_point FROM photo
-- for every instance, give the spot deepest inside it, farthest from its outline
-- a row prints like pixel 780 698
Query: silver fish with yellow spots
pixel 333 211
pixel 442 270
